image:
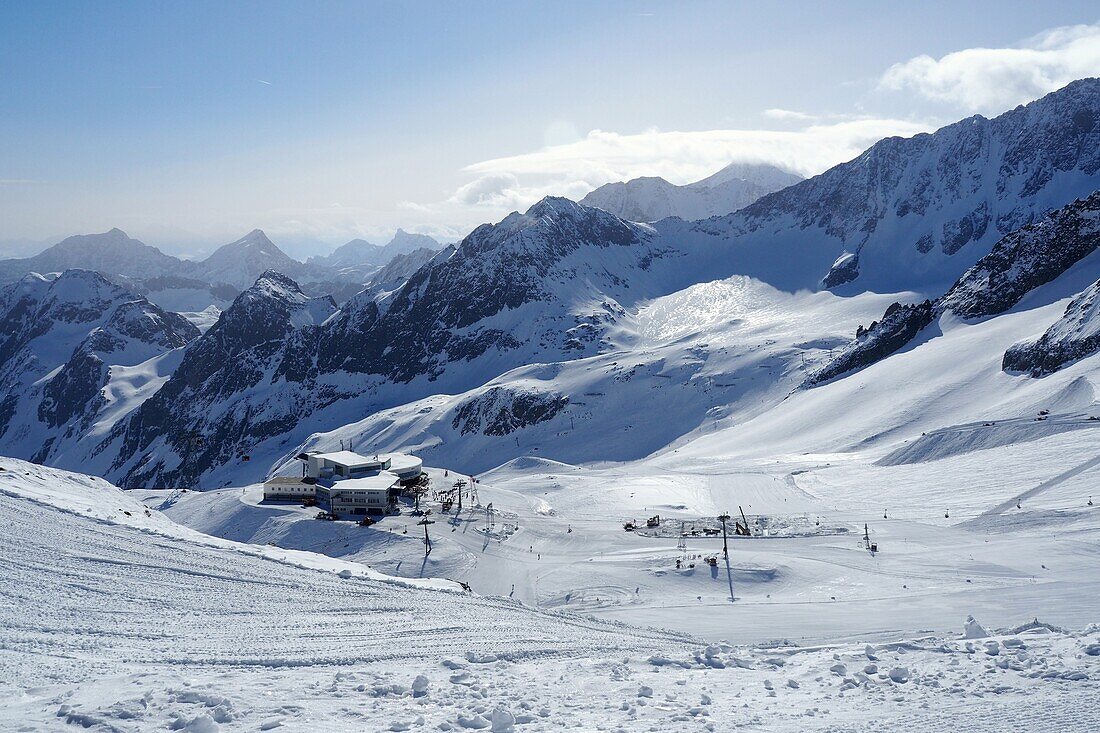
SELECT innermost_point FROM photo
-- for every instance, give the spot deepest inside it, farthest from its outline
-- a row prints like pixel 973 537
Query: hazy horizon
pixel 189 126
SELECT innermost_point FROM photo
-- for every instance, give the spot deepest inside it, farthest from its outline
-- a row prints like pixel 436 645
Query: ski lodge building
pixel 347 484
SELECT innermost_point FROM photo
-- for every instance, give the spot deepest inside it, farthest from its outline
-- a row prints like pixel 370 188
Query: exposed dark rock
pixel 1074 336
pixel 76 327
pixel 1020 262
pixel 898 326
pixel 501 411
pixel 844 270
pixel 1026 259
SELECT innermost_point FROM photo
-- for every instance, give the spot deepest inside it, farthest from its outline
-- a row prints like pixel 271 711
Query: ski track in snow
pixel 120 622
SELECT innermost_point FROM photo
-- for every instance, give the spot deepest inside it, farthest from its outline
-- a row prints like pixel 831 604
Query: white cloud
pixel 777 113
pixel 682 157
pixel 494 189
pixel 991 80
pixel 572 170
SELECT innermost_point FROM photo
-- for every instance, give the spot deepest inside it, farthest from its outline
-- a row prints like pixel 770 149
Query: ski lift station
pixel 348 484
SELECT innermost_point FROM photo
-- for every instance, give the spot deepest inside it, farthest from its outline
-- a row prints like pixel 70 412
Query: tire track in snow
pixel 1048 484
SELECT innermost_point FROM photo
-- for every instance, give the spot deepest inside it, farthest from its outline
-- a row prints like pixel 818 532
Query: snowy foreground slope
pixel 115 619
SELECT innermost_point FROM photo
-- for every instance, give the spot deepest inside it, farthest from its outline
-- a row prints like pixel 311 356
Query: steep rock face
pixel 1018 264
pixel 254 344
pixel 651 198
pixel 1074 336
pixel 918 211
pixel 446 311
pixel 135 331
pixel 399 269
pixel 898 326
pixel 60 339
pixel 1026 259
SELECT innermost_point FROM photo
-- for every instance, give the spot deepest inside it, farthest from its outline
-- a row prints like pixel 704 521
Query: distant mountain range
pixel 570 312
pixel 360 252
pixel 730 189
pixel 185 285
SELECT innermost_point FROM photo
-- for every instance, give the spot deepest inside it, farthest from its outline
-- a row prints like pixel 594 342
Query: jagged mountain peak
pixel 549 230
pixel 555 206
pixel 561 209
pixel 272 283
pixel 279 302
pixel 403 242
pixel 60 336
pixel 254 240
pixel 916 211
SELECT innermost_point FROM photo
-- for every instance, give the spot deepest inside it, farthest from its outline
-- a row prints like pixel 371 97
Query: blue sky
pixel 188 124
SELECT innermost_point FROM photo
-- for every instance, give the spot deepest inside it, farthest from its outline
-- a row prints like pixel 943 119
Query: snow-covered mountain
pixel 1018 264
pixel 211 409
pixel 506 321
pixel 239 263
pixel 398 270
pixel 112 253
pixel 77 353
pixel 649 199
pixel 544 285
pixel 188 286
pixel 764 175
pixel 913 213
pixel 553 285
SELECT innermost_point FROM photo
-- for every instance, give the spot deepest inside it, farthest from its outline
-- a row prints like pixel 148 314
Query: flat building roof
pixel 375 482
pixel 348 458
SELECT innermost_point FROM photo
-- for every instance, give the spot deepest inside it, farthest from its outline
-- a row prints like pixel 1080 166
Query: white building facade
pixel 347 484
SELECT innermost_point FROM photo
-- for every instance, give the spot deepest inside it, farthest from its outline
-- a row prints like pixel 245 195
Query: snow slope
pixel 937 438
pixel 145 625
pixel 1073 336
